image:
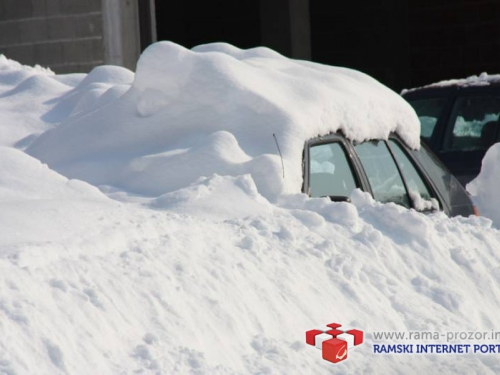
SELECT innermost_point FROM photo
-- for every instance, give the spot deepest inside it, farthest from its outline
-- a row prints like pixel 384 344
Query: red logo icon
pixel 334 341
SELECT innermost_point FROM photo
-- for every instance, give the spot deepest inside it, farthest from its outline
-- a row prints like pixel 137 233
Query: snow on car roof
pixel 484 79
pixel 214 110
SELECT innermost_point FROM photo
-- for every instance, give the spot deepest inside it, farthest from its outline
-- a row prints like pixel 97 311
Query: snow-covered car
pixel 219 110
pixel 389 170
pixel 459 120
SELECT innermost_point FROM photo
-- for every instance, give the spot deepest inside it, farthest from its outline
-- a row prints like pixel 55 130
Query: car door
pixel 329 170
pixel 334 167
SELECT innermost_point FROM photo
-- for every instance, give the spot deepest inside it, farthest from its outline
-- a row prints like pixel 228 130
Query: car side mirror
pixel 339 198
pixel 422 205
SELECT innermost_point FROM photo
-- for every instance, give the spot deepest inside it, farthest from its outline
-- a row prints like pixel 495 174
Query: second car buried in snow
pixel 460 120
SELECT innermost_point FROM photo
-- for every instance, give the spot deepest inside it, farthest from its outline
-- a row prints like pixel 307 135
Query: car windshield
pixel 474 123
pixel 428 111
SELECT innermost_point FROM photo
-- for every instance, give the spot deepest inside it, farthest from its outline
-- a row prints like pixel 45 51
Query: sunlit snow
pixel 148 228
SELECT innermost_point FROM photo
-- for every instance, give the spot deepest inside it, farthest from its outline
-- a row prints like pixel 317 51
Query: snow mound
pixel 12 73
pixel 485 188
pixel 214 110
pixel 37 100
pixel 24 92
pixel 108 74
pixel 484 79
pixel 25 178
pixel 214 198
pixel 102 85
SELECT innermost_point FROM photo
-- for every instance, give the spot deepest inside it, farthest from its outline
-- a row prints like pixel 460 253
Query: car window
pixel 329 171
pixel 382 172
pixel 434 167
pixel 474 124
pixel 413 179
pixel 428 112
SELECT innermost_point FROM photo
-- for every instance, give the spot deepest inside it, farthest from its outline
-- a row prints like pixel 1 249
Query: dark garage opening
pixel 191 22
pixel 408 43
pixel 402 43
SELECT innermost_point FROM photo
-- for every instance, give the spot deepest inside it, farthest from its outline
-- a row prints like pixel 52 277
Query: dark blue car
pixel 460 121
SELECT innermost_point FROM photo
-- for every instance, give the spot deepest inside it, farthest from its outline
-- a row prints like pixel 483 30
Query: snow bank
pixel 485 188
pixel 35 203
pixel 215 198
pixel 24 92
pixel 208 276
pixel 214 110
pixel 24 178
pixel 122 288
pixel 37 100
pixel 14 73
pixel 101 86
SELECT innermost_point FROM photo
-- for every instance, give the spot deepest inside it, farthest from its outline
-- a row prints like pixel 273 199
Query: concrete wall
pixel 121 32
pixel 69 35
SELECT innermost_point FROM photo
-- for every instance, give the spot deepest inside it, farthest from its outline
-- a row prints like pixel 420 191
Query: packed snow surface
pixel 485 188
pixel 216 271
pixel 214 109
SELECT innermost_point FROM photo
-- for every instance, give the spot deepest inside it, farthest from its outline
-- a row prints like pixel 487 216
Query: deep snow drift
pixel 213 277
pixel 215 110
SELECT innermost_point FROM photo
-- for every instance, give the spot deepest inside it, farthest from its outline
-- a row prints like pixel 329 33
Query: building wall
pixel 70 35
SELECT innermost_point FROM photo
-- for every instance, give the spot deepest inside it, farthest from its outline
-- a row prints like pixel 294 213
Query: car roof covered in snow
pixel 483 80
pixel 216 109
